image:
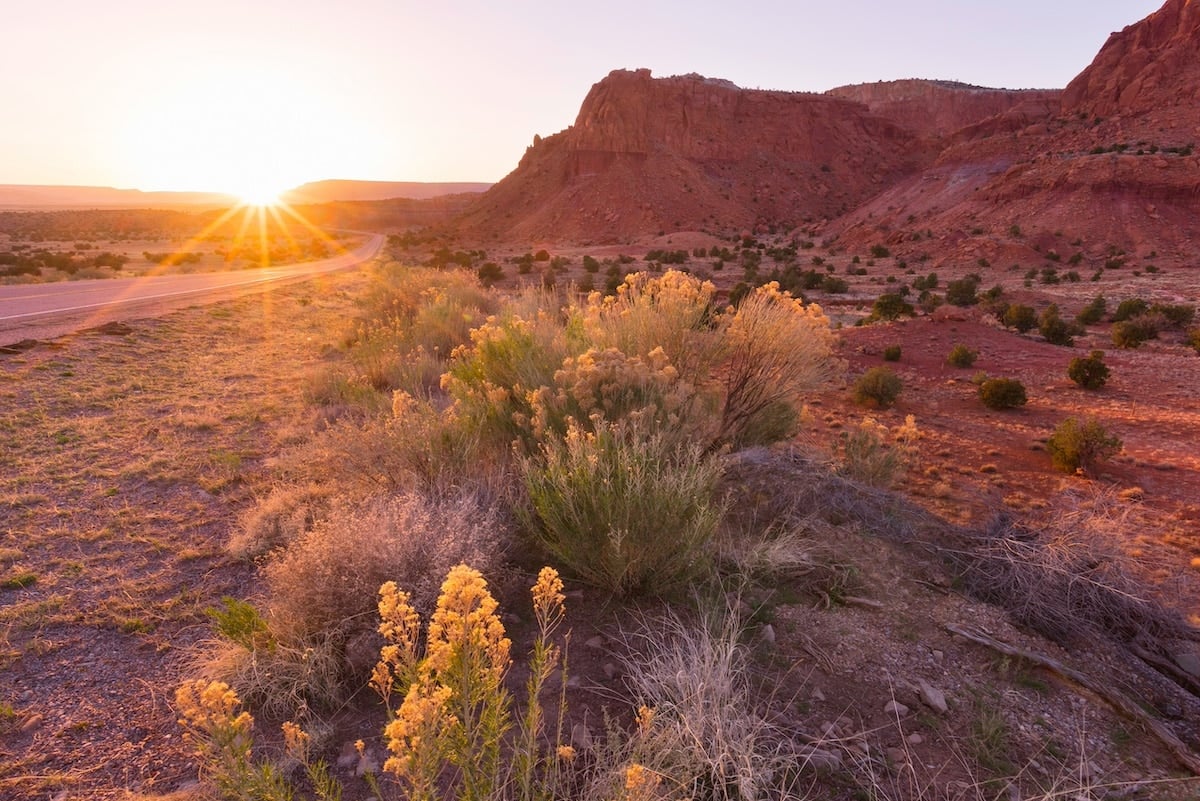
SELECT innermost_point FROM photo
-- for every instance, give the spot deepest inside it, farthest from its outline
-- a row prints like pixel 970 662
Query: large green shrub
pixel 1089 372
pixel 624 511
pixel 1077 445
pixel 1002 393
pixel 879 387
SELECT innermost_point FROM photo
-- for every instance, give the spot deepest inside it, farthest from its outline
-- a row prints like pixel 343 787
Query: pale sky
pixel 237 95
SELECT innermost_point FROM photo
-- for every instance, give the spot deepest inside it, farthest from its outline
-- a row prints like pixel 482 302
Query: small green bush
pixel 1054 328
pixel 1002 393
pixel 891 306
pixel 1079 445
pixel 1089 372
pixel 629 513
pixel 879 386
pixel 962 292
pixel 891 353
pixel 1020 318
pixel 1133 332
pixel 1175 315
pixel 1130 308
pixel 962 356
pixel 1093 312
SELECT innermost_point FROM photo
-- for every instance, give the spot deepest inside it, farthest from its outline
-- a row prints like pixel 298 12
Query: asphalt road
pixel 45 311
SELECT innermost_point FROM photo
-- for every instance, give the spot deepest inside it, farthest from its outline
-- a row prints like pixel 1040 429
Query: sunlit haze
pixel 252 98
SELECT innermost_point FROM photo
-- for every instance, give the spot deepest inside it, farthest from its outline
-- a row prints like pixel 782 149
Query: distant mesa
pixel 344 190
pixel 30 196
pixel 35 197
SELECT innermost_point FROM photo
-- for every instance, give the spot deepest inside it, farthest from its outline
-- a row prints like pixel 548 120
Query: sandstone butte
pixel 1109 159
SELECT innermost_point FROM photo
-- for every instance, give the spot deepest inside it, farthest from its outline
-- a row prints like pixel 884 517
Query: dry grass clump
pixel 701 730
pixel 327 579
pixel 283 516
pixel 1068 578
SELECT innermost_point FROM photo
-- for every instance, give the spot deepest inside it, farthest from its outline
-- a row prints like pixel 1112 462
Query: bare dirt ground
pixel 126 460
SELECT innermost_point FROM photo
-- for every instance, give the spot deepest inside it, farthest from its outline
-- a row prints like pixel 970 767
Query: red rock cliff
pixel 1145 67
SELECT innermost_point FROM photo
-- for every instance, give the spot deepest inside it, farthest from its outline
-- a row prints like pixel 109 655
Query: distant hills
pixel 36 197
pixel 333 190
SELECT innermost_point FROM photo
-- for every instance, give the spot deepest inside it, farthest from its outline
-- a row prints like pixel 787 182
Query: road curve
pixel 44 311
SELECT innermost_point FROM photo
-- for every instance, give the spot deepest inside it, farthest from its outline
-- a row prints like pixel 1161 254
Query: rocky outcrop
pixel 1110 160
pixel 942 108
pixel 648 154
pixel 1145 67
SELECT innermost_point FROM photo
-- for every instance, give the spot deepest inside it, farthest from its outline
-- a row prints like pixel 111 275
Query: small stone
pixel 914 739
pixel 348 756
pixel 1188 662
pixel 938 656
pixel 816 694
pixel 768 634
pixel 574 682
pixel 596 642
pixel 366 764
pixel 896 756
pixel 819 759
pixel 862 747
pixel 895 708
pixel 32 722
pixel 933 698
pixel 581 737
pixel 829 730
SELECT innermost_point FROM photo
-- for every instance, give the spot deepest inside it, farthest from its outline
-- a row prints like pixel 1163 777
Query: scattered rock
pixel 596 642
pixel 818 759
pixel 581 737
pixel 347 756
pixel 768 634
pixel 933 698
pixel 32 722
pixel 366 764
pixel 897 756
pixel 612 670
pixel 816 694
pixel 895 708
pixel 1188 662
pixel 914 739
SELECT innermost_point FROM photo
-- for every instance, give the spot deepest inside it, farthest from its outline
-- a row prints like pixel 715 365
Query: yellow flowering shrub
pixel 456 710
pixel 774 348
pixel 670 312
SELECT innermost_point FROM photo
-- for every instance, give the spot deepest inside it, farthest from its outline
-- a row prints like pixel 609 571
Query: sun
pixel 260 195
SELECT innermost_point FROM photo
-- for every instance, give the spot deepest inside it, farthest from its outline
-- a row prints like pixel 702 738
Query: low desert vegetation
pixel 1002 393
pixel 1080 445
pixel 962 356
pixel 614 438
pixel 1089 372
pixel 878 387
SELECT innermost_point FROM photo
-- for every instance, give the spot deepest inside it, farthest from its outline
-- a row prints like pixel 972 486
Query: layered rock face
pixel 688 152
pixel 941 108
pixel 1144 68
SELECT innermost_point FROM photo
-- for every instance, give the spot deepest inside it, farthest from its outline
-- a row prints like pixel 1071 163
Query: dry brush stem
pixel 1112 697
